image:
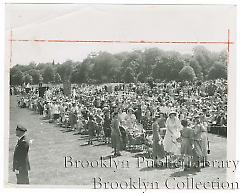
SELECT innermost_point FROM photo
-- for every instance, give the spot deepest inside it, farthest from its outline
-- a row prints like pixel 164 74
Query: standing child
pixel 186 144
pixel 116 135
pixel 99 124
pixel 91 129
pixel 197 151
pixel 107 127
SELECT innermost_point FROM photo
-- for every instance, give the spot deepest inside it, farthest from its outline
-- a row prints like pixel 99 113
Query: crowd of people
pixel 170 117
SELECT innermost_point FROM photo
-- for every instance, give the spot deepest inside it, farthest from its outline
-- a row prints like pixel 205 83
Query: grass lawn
pixel 51 144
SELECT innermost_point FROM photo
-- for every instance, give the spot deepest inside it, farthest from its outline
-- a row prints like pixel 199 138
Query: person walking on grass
pixel 91 127
pixel 116 135
pixel 187 135
pixel 158 149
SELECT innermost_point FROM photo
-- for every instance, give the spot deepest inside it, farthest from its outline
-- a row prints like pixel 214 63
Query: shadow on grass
pixel 83 138
pixel 143 154
pixel 107 157
pixel 66 131
pixel 78 133
pixel 57 125
pixel 85 144
pixel 151 168
pixel 183 173
pixel 45 119
pixel 100 144
pixel 221 136
pixel 34 113
pixel 62 130
pixel 134 150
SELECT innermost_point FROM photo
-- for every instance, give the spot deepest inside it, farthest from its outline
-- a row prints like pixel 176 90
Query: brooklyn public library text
pixel 170 183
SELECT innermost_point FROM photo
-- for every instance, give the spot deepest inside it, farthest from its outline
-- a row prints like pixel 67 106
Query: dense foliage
pixel 135 66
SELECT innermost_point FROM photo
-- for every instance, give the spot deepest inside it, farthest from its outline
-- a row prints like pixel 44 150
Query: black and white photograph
pixel 104 96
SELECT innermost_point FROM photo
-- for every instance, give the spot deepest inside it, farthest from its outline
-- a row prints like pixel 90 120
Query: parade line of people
pixel 168 118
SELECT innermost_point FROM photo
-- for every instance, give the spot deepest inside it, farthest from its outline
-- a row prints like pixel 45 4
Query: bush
pixel 218 70
pixel 187 73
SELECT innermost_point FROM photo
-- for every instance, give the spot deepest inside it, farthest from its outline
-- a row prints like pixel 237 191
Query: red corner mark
pixel 228 48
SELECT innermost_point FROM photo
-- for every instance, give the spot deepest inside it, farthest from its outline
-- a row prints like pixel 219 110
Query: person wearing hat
pixel 91 127
pixel 130 119
pixel 107 126
pixel 73 116
pixel 116 135
pixel 130 123
pixel 173 127
pixel 162 124
pixel 99 123
pixel 201 138
pixel 186 140
pixel 147 122
pixel 21 164
pixel 158 149
pixel 198 154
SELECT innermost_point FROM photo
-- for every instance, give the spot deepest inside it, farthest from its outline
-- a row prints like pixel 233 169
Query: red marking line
pixel 228 43
pixel 118 41
pixel 228 48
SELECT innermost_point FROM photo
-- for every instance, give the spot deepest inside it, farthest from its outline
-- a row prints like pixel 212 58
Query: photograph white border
pixel 5 116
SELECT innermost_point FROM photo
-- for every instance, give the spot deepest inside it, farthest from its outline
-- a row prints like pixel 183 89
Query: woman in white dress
pixel 130 120
pixel 130 123
pixel 173 126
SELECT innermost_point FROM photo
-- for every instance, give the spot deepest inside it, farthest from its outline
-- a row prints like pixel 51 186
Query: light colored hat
pixel 130 109
pixel 173 112
pixel 196 116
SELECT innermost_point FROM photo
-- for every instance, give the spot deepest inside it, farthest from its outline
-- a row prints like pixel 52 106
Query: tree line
pixel 127 67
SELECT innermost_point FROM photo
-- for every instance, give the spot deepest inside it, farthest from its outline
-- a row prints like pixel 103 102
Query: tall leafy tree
pixel 105 67
pixel 84 70
pixel 204 58
pixel 161 68
pixel 187 73
pixel 57 78
pixel 137 65
pixel 28 79
pixel 218 70
pixel 48 74
pixel 129 76
pixel 35 75
pixel 133 60
pixel 197 68
pixel 151 57
pixel 65 70
pixel 175 64
pixel 16 76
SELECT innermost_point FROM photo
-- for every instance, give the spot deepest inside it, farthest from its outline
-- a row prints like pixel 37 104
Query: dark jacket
pixel 20 157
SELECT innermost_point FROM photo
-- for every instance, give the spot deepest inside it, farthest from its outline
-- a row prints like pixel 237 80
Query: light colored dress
pixel 130 120
pixel 172 133
pixel 122 117
pixel 204 137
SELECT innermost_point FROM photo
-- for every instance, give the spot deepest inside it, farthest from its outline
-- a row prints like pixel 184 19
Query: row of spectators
pixel 144 102
pixel 160 116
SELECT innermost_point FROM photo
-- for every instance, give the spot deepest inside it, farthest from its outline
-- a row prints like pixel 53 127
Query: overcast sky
pixel 111 22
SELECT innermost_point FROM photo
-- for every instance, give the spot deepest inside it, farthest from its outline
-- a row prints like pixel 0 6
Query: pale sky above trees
pixel 111 22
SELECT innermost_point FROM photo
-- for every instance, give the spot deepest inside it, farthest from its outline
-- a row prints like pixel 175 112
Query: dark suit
pixel 21 160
